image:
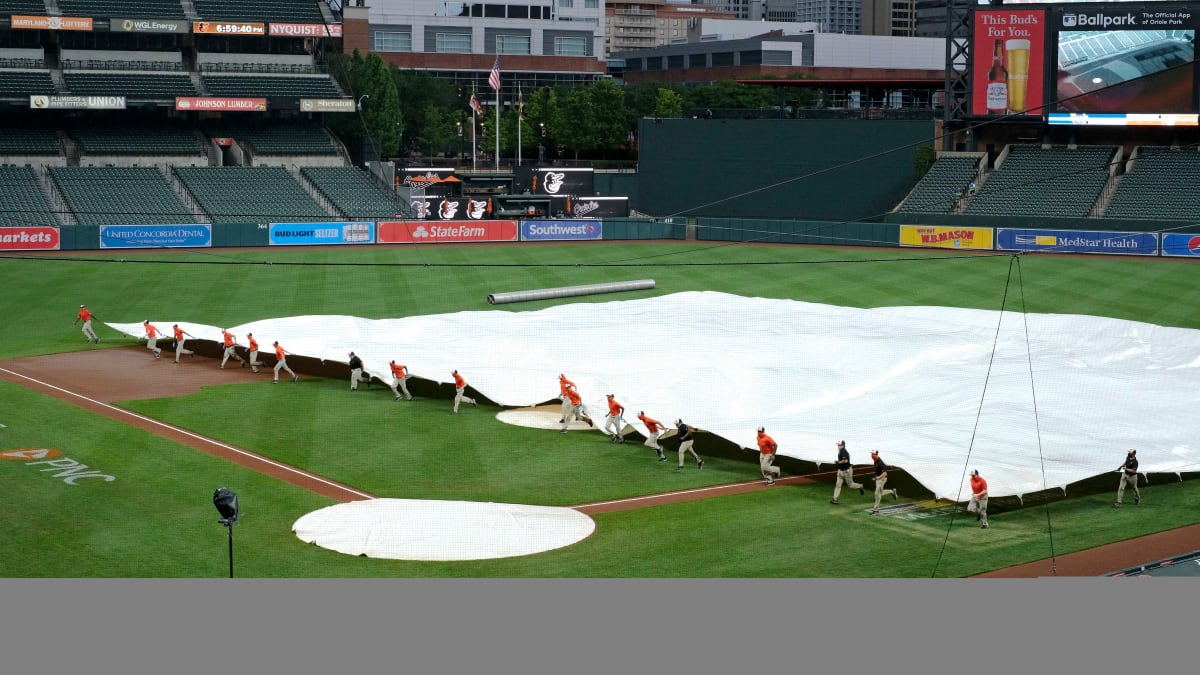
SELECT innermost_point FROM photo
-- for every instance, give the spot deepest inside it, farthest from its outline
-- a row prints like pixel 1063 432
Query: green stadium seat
pixel 120 195
pixel 250 194
pixel 355 193
pixel 23 201
pixel 123 9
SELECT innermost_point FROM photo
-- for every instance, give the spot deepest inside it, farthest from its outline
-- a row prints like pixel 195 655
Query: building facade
pixel 642 24
pixel 536 42
pixel 834 16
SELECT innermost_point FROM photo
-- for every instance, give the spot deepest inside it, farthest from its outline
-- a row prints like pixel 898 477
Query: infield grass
pixel 156 519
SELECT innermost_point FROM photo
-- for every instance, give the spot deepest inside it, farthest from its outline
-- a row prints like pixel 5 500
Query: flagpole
pixel 497 130
pixel 518 136
pixel 474 146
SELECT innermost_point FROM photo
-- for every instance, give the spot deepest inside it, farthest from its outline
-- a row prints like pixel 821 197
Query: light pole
pixel 364 97
pixel 459 125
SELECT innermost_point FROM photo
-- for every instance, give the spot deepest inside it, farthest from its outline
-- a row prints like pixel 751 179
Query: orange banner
pixel 229 28
pixel 51 22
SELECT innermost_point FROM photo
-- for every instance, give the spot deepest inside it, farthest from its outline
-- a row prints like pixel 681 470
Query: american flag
pixel 494 78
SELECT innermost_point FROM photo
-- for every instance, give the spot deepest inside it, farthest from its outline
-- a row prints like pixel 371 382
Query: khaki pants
pixel 181 349
pixel 652 441
pixel 879 483
pixel 765 462
pixel 355 376
pixel 282 365
pixel 399 382
pixel 571 414
pixel 1128 480
pixel 458 397
pixel 979 506
pixel 845 476
pixel 230 352
pixel 88 332
pixel 686 447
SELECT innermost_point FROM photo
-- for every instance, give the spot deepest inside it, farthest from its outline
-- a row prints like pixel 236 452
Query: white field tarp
pixel 938 391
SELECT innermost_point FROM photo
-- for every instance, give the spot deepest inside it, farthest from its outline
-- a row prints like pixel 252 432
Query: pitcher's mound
pixel 419 529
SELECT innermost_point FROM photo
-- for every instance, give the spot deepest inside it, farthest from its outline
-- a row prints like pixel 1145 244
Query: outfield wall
pixel 1046 239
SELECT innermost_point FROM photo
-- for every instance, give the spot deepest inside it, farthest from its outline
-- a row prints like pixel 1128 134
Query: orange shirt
pixel 279 353
pixel 399 371
pixel 978 485
pixel 652 424
pixel 178 334
pixel 573 396
pixel 228 338
pixel 766 444
pixel 84 315
pixel 459 382
pixel 253 343
pixel 151 331
pixel 615 408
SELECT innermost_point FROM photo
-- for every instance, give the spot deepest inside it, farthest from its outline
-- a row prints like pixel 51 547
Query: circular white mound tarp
pixel 420 529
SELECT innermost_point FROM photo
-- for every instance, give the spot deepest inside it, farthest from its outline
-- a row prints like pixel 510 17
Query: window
pixel 392 41
pixel 452 42
pixel 570 46
pixel 591 4
pixel 566 3
pixel 512 44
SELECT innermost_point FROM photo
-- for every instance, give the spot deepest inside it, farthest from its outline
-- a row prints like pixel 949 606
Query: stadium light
pixel 227 505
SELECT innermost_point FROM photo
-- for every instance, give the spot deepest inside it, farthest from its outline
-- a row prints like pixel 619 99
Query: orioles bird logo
pixel 475 209
pixel 553 181
pixel 447 209
pixel 422 208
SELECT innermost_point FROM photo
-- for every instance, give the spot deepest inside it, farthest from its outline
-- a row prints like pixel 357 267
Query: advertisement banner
pixel 1078 241
pixel 597 207
pixel 306 30
pixel 51 22
pixel 425 232
pixel 218 103
pixel 429 181
pixel 156 236
pixel 1125 120
pixel 149 26
pixel 229 28
pixel 1180 244
pixel 556 181
pixel 1009 61
pixel 946 237
pixel 307 234
pixel 560 230
pixel 77 102
pixel 452 208
pixel 328 105
pixel 29 239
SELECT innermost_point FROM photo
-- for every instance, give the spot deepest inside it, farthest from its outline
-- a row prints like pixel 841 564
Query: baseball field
pixel 146 511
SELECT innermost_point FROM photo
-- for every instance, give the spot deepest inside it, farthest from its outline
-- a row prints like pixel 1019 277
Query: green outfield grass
pixel 156 518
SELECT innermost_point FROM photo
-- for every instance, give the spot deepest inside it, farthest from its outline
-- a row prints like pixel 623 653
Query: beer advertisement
pixel 1009 62
pixel 1124 66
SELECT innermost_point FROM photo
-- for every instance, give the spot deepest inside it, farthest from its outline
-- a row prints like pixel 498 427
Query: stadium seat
pixel 23 201
pixel 251 194
pixel 1159 185
pixel 934 192
pixel 125 9
pixel 293 11
pixel 120 195
pixel 1055 181
pixel 355 193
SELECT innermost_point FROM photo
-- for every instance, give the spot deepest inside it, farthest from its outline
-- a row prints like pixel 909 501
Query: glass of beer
pixel 1018 74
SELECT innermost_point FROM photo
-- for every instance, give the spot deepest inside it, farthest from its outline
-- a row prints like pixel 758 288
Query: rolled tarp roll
pixel 569 291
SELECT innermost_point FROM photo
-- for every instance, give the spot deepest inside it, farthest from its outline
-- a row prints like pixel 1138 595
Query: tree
pixel 380 116
pixel 668 103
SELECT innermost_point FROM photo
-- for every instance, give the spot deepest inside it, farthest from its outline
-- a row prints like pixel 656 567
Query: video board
pixel 1087 63
pixel 1124 66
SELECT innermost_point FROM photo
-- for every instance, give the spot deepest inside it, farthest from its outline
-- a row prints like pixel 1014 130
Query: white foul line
pixel 198 437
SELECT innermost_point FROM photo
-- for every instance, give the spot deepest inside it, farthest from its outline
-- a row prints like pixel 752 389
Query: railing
pixel 259 67
pixel 97 64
